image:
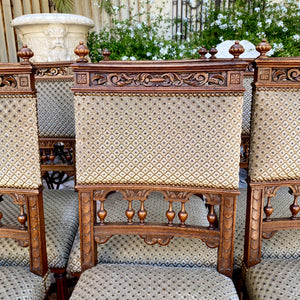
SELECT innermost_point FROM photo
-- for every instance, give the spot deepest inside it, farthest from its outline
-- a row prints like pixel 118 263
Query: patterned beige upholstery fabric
pixel 152 282
pixel 132 249
pixel 61 225
pixel 186 140
pixel 55 108
pixel 275 141
pixel 274 279
pixel 282 245
pixel 247 105
pixel 19 152
pixel 19 283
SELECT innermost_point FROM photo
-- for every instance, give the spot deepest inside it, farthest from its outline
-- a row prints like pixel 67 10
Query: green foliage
pixel 63 6
pixel 245 20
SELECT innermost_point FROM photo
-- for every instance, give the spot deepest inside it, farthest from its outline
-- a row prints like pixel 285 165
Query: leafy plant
pixel 63 6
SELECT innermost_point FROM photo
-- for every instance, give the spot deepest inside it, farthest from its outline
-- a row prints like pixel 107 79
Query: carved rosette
pixel 159 79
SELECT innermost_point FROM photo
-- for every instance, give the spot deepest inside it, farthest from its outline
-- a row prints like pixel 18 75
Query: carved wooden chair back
pixel 55 120
pixel 172 127
pixel 20 176
pixel 274 149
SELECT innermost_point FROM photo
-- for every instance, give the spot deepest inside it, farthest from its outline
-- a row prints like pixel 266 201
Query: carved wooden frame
pixel 207 77
pixel 282 73
pixel 19 79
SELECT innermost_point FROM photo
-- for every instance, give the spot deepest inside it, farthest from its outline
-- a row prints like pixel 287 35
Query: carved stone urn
pixel 52 37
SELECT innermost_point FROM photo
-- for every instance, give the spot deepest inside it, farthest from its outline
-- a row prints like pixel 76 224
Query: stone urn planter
pixel 52 37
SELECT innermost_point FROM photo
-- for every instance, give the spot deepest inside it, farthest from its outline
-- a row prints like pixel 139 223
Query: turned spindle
pixel 182 214
pixel 130 212
pixel 211 217
pixel 268 209
pixel 52 157
pixel 102 213
pixel 22 218
pixel 142 213
pixel 170 214
pixel 295 208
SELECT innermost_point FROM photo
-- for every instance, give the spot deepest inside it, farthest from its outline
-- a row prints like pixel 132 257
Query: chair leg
pixel 61 283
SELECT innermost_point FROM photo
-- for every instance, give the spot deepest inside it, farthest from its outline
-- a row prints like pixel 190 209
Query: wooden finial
pixel 263 47
pixel 106 53
pixel 213 51
pixel 203 51
pixel 25 53
pixel 81 50
pixel 236 50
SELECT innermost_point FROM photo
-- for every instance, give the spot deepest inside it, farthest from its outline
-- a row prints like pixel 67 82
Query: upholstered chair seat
pixel 61 225
pixel 20 283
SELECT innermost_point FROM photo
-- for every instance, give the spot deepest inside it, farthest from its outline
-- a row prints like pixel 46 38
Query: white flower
pixel 181 47
pixel 240 23
pixel 125 58
pixel 163 51
pixel 178 33
pixel 261 35
pixel 259 24
pixel 224 26
pixel 148 53
pixel 154 57
pixel 139 26
pixel 116 8
pixel 257 9
pixel 283 9
pixel 181 54
pixel 285 29
pixel 268 21
pixel 221 38
pixel 220 16
pixel 280 24
pixel 296 37
pixel 132 58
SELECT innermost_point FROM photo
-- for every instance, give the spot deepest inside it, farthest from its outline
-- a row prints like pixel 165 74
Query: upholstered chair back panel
pixel 178 139
pixel 19 152
pixel 247 105
pixel 55 108
pixel 275 138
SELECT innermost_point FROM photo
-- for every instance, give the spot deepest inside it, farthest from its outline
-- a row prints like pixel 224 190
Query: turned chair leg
pixel 61 283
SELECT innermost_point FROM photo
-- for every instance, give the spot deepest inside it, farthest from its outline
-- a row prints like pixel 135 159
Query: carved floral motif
pixel 52 71
pixel 159 79
pixel 286 75
pixel 8 81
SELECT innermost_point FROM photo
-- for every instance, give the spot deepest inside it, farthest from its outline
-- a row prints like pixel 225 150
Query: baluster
pixel 130 212
pixel 52 157
pixel 268 209
pixel 295 208
pixel 44 156
pixel 211 217
pixel 102 212
pixel 142 213
pixel 182 214
pixel 170 214
pixel 68 156
pixel 22 218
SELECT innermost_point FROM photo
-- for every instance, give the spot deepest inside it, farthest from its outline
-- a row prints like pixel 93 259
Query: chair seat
pixel 109 281
pixel 20 283
pixel 274 279
pixel 61 225
pixel 131 249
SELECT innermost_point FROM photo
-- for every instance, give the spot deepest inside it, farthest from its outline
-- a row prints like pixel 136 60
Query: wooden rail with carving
pixel 17 84
pixel 171 79
pixel 277 80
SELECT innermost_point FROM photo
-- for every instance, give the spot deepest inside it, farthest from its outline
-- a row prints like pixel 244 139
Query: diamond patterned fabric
pixel 152 282
pixel 19 152
pixel 55 108
pixel 185 140
pixel 61 225
pixel 247 105
pixel 275 139
pixel 132 249
pixel 274 279
pixel 19 283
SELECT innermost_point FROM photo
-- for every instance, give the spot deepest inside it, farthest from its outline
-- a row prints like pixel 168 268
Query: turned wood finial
pixel 81 50
pixel 263 47
pixel 106 53
pixel 203 51
pixel 236 50
pixel 213 51
pixel 25 53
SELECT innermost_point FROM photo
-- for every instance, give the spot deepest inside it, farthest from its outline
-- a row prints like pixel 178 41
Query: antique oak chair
pixel 56 121
pixel 20 186
pixel 272 265
pixel 20 168
pixel 171 127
